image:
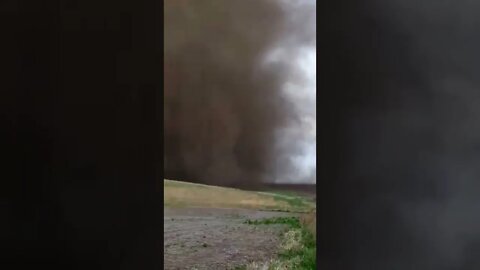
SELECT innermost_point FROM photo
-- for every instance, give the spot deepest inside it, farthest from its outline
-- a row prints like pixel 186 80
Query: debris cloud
pixel 223 99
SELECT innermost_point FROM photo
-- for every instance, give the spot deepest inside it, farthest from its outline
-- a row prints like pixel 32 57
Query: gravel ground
pixel 206 238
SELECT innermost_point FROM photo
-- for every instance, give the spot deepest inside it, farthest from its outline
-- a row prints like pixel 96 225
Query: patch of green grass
pixel 286 193
pixel 298 250
pixel 292 222
pixel 295 201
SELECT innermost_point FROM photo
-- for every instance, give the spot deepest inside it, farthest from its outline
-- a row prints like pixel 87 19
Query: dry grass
pixel 185 194
pixel 309 220
pixel 181 194
pixel 273 264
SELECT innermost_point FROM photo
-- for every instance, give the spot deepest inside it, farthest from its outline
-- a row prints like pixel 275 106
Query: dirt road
pixel 207 238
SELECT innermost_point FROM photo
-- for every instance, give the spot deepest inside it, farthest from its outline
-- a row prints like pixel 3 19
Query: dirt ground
pixel 208 238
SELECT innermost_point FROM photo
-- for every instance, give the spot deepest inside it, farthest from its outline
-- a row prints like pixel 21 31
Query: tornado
pixel 226 111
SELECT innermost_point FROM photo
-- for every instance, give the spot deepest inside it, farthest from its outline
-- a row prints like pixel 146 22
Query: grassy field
pixel 183 194
pixel 298 247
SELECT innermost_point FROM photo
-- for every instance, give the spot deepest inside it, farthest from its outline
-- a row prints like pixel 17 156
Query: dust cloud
pixel 224 98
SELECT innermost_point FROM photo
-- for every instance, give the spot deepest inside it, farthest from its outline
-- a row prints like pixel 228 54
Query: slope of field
pixel 183 194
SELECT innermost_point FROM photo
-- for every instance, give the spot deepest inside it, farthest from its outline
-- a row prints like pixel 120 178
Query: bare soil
pixel 210 238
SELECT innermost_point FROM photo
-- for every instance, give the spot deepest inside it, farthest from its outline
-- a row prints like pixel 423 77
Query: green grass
pixel 292 222
pixel 298 249
pixel 295 201
pixel 292 201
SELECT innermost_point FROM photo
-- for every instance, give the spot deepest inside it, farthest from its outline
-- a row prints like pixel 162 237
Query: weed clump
pixel 298 248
